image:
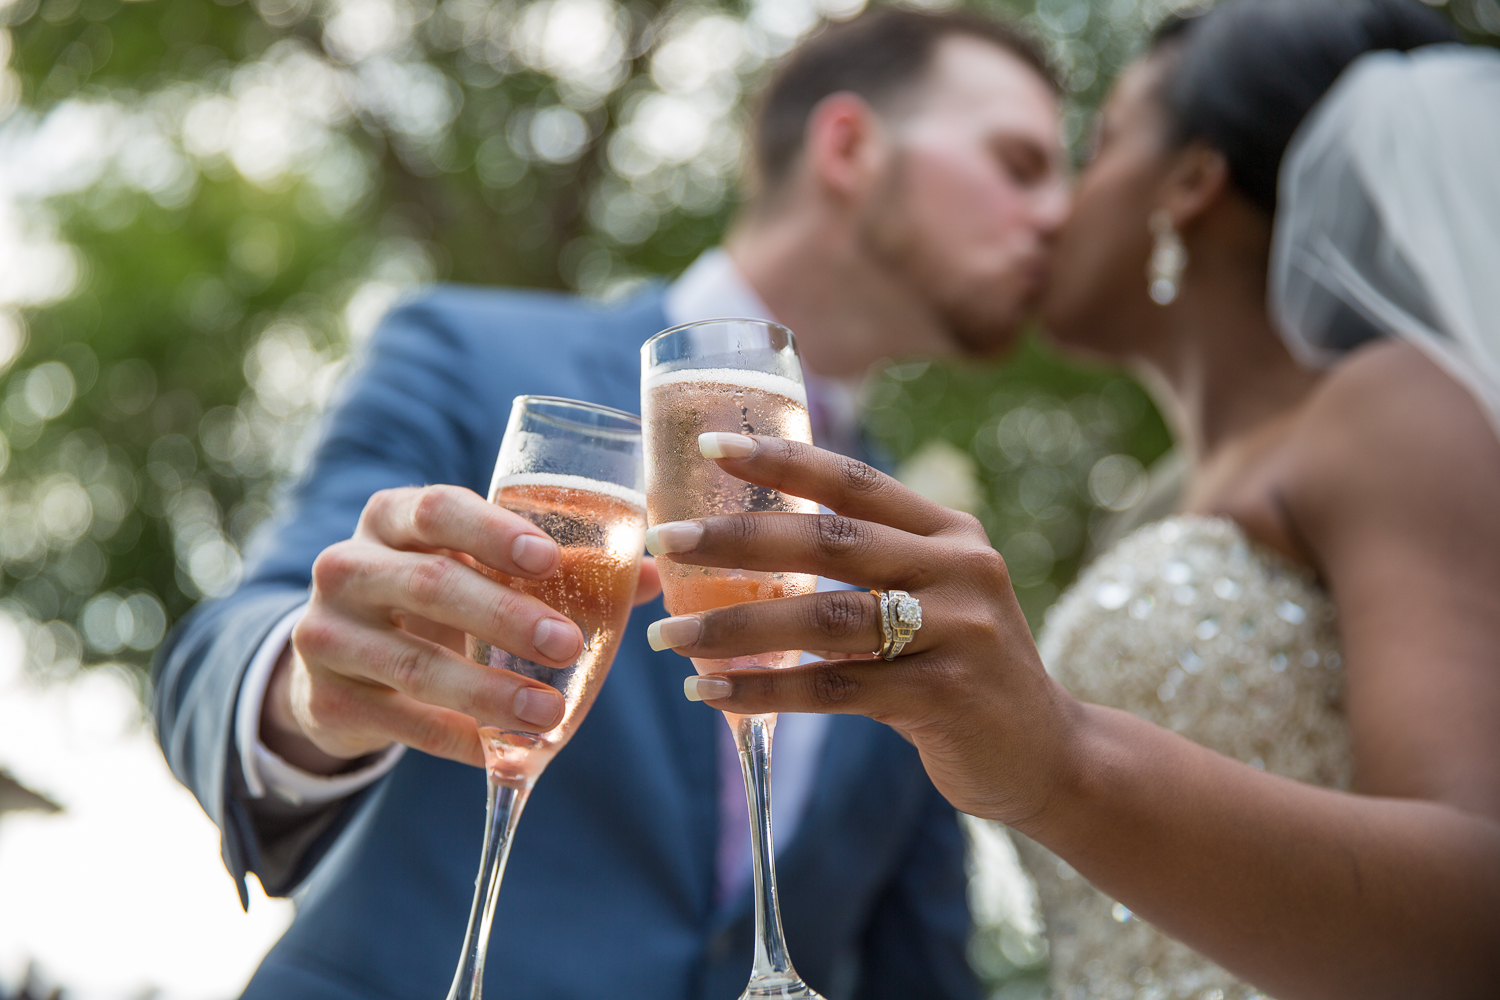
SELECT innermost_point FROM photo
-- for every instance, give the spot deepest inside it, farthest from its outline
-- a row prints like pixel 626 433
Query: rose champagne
pixel 599 528
pixel 682 484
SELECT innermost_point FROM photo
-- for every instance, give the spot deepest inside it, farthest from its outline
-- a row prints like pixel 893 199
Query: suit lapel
pixel 690 731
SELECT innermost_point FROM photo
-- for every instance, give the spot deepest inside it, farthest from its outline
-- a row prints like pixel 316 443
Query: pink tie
pixel 732 860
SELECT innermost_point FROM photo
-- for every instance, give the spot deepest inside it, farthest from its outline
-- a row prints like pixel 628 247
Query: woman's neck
pixel 1220 371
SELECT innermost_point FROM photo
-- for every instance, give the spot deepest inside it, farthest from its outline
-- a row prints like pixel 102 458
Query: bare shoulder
pixel 1389 418
pixel 1393 473
pixel 1383 382
pixel 1392 485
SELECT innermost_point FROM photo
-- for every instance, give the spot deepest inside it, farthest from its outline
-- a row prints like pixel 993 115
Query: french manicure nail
pixel 706 688
pixel 674 536
pixel 536 707
pixel 533 553
pixel 669 633
pixel 716 444
pixel 554 640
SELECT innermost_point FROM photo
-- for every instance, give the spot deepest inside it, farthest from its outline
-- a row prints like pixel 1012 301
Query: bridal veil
pixel 1388 216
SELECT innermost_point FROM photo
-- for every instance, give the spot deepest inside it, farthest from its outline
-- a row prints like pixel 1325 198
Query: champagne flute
pixel 743 376
pixel 574 470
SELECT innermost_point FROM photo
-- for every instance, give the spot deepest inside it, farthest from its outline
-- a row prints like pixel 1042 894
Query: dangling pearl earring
pixel 1168 259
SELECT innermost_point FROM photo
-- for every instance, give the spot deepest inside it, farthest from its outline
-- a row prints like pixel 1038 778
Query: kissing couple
pixel 1254 750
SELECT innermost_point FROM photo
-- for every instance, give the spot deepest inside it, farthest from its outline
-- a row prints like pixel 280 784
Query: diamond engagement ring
pixel 900 618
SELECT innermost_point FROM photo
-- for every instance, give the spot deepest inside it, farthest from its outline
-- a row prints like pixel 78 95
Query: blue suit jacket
pixel 609 891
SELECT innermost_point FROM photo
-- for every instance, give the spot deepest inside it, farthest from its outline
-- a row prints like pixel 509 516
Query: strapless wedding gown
pixel 1190 625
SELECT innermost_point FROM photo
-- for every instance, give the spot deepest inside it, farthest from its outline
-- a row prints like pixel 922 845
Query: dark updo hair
pixel 1246 72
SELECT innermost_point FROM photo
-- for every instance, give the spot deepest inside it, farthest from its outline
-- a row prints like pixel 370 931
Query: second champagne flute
pixel 574 470
pixel 742 376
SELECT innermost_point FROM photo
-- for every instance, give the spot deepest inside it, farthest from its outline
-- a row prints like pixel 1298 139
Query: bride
pixel 1268 748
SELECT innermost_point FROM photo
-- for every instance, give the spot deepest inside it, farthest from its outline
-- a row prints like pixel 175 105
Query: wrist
pixel 283 735
pixel 1072 769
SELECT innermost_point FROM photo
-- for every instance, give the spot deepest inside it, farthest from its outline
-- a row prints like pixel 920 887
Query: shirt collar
pixel 713 288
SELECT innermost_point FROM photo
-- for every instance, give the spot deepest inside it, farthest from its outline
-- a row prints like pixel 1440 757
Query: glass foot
pixel 779 989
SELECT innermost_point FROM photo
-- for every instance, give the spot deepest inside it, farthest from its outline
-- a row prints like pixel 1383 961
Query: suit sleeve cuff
pixel 264 771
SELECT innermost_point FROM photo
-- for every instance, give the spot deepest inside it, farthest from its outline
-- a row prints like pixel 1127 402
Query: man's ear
pixel 844 145
pixel 1195 183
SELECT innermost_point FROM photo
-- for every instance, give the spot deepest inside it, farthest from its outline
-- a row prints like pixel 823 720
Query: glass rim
pixel 680 327
pixel 631 419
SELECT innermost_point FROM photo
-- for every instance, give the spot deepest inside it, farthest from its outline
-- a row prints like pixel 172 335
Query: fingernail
pixel 716 444
pixel 706 688
pixel 669 633
pixel 555 640
pixel 537 708
pixel 533 553
pixel 674 536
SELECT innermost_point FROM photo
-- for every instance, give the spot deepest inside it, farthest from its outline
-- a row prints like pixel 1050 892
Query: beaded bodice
pixel 1188 624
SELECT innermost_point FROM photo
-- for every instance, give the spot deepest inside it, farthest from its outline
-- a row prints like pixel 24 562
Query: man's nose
pixel 1053 206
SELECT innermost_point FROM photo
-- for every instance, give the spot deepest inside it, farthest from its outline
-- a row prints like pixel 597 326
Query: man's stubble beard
pixel 889 235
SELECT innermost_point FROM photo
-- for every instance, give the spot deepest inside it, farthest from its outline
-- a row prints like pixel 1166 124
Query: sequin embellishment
pixel 1190 625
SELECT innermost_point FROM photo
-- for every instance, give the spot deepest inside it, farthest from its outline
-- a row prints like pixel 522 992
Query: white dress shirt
pixel 711 287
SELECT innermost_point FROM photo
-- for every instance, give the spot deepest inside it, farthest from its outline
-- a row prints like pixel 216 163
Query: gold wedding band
pixel 900 618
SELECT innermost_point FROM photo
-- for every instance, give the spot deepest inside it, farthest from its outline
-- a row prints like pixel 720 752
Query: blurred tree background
pixel 206 204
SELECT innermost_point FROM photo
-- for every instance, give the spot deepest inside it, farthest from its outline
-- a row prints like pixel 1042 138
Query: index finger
pixel 844 485
pixel 431 518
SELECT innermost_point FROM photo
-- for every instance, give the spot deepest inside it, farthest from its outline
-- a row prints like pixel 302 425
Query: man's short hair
pixel 881 55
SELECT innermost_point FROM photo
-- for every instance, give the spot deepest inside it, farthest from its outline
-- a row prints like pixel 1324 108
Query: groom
pixel 908 176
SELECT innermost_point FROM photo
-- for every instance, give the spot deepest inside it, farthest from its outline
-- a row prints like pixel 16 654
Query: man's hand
pixel 378 657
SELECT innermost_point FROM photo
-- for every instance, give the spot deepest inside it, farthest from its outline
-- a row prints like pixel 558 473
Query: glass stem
pixel 505 804
pixel 772 974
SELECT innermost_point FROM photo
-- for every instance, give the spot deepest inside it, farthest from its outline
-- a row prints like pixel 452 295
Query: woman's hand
pixel 969 690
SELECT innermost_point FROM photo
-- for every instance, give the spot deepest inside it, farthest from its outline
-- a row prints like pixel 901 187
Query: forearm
pixel 1304 891
pixel 196 683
